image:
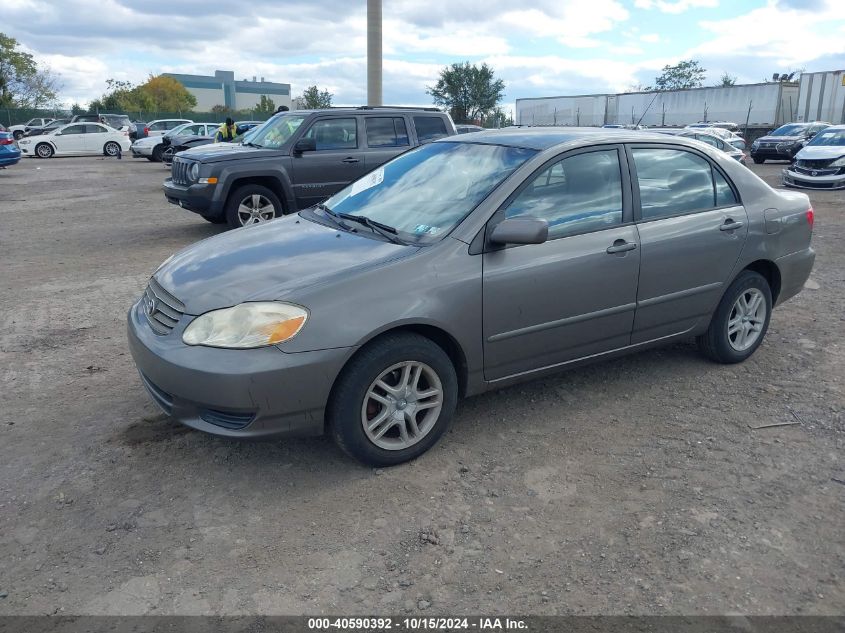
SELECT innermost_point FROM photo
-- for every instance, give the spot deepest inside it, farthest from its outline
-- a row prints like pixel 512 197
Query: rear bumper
pixel 794 270
pixel 197 198
pixel 9 158
pixel 252 393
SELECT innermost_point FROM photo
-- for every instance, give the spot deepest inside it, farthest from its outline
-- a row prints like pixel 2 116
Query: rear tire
pixel 252 204
pixel 738 327
pixel 44 150
pixel 413 418
pixel 758 161
pixel 111 149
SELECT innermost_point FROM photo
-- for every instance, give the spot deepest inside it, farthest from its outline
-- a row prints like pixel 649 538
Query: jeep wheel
pixel 252 204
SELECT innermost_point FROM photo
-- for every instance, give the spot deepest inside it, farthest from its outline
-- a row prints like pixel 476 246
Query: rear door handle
pixel 349 159
pixel 621 246
pixel 730 225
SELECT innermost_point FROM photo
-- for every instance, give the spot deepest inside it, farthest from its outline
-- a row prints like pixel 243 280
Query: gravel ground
pixel 633 486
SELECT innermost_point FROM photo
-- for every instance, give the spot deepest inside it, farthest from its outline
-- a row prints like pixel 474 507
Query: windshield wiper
pixel 386 231
pixel 251 144
pixel 335 217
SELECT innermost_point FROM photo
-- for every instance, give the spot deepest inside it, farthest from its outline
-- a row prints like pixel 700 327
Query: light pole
pixel 374 52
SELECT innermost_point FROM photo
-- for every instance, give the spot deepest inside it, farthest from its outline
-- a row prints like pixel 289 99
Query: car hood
pixel 779 139
pixel 219 152
pixel 148 140
pixel 820 152
pixel 35 139
pixel 269 261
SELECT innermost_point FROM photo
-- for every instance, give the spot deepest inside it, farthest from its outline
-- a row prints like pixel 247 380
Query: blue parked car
pixel 9 152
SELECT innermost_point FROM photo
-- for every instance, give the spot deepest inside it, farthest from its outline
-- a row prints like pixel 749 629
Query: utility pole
pixel 374 52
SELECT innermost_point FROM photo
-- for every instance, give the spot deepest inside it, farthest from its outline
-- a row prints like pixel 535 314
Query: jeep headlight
pixel 246 325
pixel 195 172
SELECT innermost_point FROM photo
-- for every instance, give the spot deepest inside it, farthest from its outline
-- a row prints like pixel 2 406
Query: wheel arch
pixel 436 335
pixel 272 182
pixel 770 272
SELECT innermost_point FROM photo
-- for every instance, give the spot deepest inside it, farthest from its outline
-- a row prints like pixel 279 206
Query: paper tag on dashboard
pixel 368 182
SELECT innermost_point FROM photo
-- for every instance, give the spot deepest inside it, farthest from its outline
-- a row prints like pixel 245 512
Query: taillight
pixel 6 141
pixel 811 217
pixel 146 131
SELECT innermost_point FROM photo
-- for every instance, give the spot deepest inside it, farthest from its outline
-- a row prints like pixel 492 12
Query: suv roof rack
pixel 368 107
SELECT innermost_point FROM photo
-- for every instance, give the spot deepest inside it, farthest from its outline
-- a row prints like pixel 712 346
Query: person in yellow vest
pixel 226 133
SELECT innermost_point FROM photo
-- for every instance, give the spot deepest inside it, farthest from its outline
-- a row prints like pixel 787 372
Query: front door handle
pixel 349 159
pixel 621 246
pixel 730 225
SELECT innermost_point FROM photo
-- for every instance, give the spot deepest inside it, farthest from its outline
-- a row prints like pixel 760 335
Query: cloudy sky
pixel 539 47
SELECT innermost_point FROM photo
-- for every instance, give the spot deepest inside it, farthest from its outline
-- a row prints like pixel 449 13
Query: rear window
pixel 429 128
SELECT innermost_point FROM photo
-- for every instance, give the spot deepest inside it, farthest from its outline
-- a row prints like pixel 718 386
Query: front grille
pixel 179 172
pixel 814 164
pixel 815 171
pixel 163 310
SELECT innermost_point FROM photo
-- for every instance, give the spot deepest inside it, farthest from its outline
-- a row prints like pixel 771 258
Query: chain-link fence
pixel 18 116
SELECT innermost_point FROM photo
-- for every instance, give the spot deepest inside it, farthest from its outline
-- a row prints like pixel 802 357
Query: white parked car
pixel 76 139
pixel 161 126
pixel 19 130
pixel 152 147
pixel 821 162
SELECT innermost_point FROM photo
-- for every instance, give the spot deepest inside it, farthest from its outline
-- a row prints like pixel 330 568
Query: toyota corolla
pixel 461 266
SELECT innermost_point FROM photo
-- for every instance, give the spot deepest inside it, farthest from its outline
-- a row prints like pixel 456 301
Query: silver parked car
pixel 713 140
pixel 821 163
pixel 460 266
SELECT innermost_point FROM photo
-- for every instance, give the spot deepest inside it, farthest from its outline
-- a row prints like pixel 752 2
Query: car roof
pixel 541 138
pixel 368 110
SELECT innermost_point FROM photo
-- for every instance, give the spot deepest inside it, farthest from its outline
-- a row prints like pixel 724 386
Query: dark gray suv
pixel 296 160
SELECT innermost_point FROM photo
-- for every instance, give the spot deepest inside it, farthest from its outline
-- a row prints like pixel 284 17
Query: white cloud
pixel 651 38
pixel 675 6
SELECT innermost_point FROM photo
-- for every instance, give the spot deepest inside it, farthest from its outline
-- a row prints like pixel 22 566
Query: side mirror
pixel 524 230
pixel 305 145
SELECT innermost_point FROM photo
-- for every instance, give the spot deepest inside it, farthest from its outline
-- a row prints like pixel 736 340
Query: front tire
pixel 758 161
pixel 741 320
pixel 393 401
pixel 252 204
pixel 158 151
pixel 44 150
pixel 18 135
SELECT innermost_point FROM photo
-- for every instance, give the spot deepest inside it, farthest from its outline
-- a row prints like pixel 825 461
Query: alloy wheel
pixel 255 209
pixel 748 315
pixel 402 405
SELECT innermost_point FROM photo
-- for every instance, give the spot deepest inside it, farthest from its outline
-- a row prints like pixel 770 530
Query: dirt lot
pixel 634 486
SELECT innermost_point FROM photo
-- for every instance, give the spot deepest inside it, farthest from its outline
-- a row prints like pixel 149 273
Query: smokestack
pixel 374 52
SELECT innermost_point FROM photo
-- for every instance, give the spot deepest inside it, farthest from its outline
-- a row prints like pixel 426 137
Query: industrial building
pixel 222 89
pixel 816 97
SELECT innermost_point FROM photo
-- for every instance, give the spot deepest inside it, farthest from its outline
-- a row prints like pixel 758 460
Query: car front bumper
pixel 773 153
pixel 197 198
pixel 142 151
pixel 807 181
pixel 253 393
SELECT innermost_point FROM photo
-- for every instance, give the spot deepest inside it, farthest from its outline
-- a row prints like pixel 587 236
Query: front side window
pixel 426 192
pixel 334 134
pixel 577 194
pixel 429 128
pixel 386 132
pixel 675 182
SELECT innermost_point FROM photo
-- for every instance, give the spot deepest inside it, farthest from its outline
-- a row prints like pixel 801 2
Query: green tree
pixel 167 95
pixel 22 83
pixel 498 118
pixel 471 93
pixel 726 80
pixel 265 106
pixel 314 99
pixel 684 74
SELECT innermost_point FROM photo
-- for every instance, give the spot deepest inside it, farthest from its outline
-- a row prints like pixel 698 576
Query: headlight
pixel 24 142
pixel 839 162
pixel 246 325
pixel 195 171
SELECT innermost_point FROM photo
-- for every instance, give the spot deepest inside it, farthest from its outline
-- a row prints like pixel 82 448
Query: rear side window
pixel 429 128
pixel 725 196
pixel 575 195
pixel 386 132
pixel 92 128
pixel 161 125
pixel 74 129
pixel 676 182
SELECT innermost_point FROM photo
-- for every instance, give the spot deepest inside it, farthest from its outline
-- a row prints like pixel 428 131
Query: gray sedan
pixel 461 266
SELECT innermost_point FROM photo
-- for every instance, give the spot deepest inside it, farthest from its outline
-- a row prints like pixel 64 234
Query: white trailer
pixel 763 105
pixel 581 110
pixel 822 97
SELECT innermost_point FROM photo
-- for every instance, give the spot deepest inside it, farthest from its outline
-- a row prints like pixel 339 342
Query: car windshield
pixel 789 130
pixel 277 131
pixel 427 191
pixel 829 137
